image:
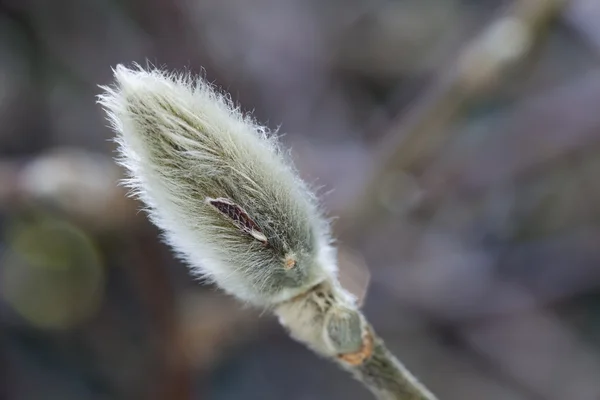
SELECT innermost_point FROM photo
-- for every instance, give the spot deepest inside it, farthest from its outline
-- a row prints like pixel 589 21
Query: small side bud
pixel 289 262
pixel 344 330
pixel 327 320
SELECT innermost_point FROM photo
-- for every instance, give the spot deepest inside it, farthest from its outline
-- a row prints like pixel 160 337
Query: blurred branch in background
pixel 582 17
pixel 78 184
pixel 159 299
pixel 414 138
pixel 521 146
pixel 539 352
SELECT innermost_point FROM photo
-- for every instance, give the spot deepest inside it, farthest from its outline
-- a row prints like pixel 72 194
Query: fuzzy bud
pixel 230 203
pixel 225 195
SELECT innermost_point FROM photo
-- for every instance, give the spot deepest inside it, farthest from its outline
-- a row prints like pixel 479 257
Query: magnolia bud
pixel 218 185
pixel 230 202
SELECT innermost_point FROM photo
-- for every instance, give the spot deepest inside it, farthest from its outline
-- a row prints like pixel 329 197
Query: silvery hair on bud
pixel 218 185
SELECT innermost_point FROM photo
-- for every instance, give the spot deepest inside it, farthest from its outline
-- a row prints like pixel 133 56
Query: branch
pixel 78 184
pixel 371 362
pixel 229 201
pixel 415 137
pixel 387 378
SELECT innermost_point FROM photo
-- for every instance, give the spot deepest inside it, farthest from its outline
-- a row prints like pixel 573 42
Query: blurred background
pixel 455 141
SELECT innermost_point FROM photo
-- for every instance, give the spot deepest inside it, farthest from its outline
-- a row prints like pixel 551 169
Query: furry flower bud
pixel 227 198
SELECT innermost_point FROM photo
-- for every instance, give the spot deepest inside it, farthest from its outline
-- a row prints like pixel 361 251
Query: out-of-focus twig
pixel 479 67
pixel 540 352
pixel 156 292
pixel 542 131
pixel 78 184
pixel 582 16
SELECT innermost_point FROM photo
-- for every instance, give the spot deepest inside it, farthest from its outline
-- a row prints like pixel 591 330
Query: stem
pixel 386 377
pixel 322 320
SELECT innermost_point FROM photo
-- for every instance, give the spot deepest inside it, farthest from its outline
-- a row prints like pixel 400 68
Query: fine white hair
pixel 217 184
